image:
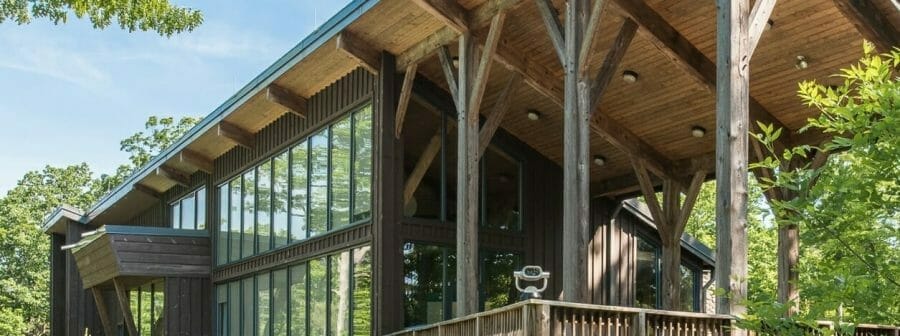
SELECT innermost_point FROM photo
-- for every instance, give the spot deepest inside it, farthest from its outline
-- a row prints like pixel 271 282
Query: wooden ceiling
pixel 660 109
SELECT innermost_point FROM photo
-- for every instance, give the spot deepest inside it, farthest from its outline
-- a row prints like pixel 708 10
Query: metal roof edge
pixel 317 38
pixel 688 242
pixel 60 212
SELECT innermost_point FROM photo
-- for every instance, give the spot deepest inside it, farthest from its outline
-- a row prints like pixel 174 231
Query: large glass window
pixel 190 211
pixel 222 242
pixel 647 274
pixel 275 303
pixel 689 289
pixel 322 183
pixel 500 191
pixel 430 279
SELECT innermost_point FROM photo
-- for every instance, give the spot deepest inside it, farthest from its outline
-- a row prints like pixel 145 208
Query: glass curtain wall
pixel 331 295
pixel 430 281
pixel 648 278
pixel 320 184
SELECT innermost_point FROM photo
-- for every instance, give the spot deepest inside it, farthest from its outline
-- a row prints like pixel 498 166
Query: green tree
pixel 24 249
pixel 849 209
pixel 160 16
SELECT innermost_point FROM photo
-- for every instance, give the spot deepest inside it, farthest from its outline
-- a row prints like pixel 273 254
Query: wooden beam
pixel 501 106
pixel 415 177
pixel 593 26
pixel 108 327
pixel 690 199
pixel 759 19
pixel 447 11
pixel 174 175
pixel 449 68
pixel 611 64
pixel 479 84
pixel 640 171
pixel 147 190
pixel 366 55
pixel 196 160
pixel 236 134
pixel 405 94
pixel 625 140
pixel 478 17
pixel 125 305
pixel 732 122
pixel 689 58
pixel 550 17
pixel 285 98
pixel 870 22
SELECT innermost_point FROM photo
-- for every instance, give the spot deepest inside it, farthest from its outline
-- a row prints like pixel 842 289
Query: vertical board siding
pixel 187 309
pixel 57 285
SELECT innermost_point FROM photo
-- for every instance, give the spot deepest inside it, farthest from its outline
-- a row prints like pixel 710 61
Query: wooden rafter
pixel 447 66
pixel 447 11
pixel 403 102
pixel 236 134
pixel 620 137
pixel 611 63
pixel 102 311
pixel 593 26
pixel 283 97
pixel 147 190
pixel 498 111
pixel 174 175
pixel 649 192
pixel 125 305
pixel 553 25
pixel 196 160
pixel 759 18
pixel 366 55
pixel 689 58
pixel 870 22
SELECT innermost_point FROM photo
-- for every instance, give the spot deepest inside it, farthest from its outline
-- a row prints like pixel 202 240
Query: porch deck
pixel 544 317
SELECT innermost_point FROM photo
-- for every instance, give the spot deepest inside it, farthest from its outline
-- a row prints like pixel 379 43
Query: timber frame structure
pixel 483 134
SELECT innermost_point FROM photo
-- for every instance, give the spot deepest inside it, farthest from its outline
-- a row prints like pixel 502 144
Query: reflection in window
pixel 249 215
pixel 222 235
pixel 430 279
pixel 299 205
pixel 262 304
pixel 687 289
pixel 318 296
pixel 362 164
pixel 298 316
pixel 320 184
pixel 500 194
pixel 331 295
pixel 280 302
pixel 362 291
pixel 189 212
pixel 263 207
pixel 340 173
pixel 280 199
pixel 647 275
pixel 340 293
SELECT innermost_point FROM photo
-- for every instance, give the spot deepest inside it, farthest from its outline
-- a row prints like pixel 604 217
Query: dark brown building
pixel 333 194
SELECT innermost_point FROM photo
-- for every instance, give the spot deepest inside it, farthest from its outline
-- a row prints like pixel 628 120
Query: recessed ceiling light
pixel 534 115
pixel 698 132
pixel 770 24
pixel 802 62
pixel 629 76
pixel 599 160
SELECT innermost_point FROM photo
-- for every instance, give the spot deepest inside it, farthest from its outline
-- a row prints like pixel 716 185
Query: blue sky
pixel 70 93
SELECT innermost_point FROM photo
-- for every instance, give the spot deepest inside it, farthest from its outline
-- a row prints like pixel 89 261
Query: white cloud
pixel 46 57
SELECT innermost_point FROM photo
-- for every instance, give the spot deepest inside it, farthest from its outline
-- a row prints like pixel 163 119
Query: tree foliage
pixel 24 249
pixel 160 16
pixel 849 209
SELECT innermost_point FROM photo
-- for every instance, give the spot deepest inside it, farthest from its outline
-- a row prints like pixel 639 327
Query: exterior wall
pixel 80 311
pixel 188 306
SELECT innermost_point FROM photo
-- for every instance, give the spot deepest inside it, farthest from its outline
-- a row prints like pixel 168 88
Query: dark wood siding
pixel 188 308
pixel 80 310
pixel 160 214
pixel 57 285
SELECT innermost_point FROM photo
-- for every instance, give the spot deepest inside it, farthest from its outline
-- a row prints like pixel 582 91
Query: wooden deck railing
pixel 542 317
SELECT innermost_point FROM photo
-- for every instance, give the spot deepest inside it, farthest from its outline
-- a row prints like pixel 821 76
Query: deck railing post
pixel 640 324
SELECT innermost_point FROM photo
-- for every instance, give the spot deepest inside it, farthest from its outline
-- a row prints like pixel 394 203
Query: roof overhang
pixel 56 220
